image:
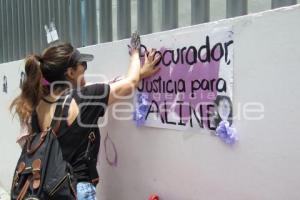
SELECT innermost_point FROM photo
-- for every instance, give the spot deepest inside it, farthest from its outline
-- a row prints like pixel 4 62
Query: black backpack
pixel 41 171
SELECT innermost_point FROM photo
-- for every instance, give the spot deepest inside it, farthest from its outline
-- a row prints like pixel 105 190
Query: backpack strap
pixel 65 111
pixel 35 127
pixel 24 189
pixel 55 123
pixel 62 114
pixel 34 118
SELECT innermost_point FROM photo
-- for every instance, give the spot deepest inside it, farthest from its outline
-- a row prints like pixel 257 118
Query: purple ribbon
pixel 141 109
pixel 226 133
pixel 45 82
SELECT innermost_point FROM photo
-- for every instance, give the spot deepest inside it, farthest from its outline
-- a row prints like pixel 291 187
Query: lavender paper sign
pixel 196 70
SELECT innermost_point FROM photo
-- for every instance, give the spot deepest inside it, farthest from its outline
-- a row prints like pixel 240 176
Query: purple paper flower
pixel 226 133
pixel 141 109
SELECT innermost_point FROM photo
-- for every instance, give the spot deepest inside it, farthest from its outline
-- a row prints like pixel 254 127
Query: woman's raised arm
pixel 126 86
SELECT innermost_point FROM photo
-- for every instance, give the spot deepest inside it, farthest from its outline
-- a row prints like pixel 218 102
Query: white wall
pixel 195 165
pixel 9 150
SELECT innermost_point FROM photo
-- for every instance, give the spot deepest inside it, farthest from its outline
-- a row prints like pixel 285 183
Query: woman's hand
pixel 126 86
pixel 149 68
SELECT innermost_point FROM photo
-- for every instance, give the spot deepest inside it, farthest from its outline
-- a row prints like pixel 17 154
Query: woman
pixel 223 109
pixel 52 74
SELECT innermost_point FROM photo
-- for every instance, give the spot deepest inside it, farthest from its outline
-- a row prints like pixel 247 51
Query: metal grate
pixel 88 22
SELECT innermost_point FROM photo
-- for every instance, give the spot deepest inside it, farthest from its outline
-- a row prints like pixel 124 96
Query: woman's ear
pixel 70 73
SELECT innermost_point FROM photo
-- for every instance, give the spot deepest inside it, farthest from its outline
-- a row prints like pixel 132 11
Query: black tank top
pixel 74 138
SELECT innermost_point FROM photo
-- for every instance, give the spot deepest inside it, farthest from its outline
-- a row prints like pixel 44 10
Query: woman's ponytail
pixel 52 64
pixel 32 89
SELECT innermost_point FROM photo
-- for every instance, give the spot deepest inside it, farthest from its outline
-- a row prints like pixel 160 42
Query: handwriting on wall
pixel 4 84
pixel 191 77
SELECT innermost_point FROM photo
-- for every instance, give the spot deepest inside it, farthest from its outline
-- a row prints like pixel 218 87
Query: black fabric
pixel 77 57
pixel 92 102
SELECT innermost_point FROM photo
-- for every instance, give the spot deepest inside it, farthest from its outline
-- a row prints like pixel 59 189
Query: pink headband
pixel 45 82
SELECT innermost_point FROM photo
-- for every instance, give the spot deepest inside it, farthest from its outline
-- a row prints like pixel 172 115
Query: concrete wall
pixel 194 165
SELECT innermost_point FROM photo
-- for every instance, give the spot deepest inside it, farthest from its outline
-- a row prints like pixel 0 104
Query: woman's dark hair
pixel 51 66
pixel 217 102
